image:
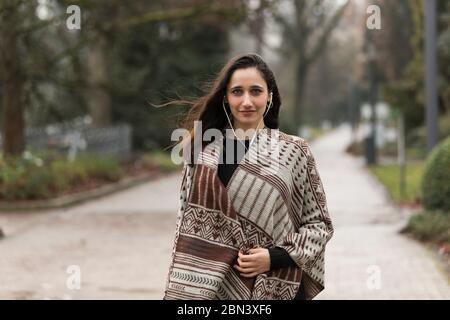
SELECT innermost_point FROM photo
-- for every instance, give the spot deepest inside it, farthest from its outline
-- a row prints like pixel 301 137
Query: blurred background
pixel 88 191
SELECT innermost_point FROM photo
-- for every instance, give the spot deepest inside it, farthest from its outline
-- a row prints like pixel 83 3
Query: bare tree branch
pixel 312 56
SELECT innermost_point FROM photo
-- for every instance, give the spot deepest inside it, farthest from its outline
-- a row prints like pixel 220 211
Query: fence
pixel 77 136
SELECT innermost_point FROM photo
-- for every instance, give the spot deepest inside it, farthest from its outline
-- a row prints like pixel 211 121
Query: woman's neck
pixel 245 133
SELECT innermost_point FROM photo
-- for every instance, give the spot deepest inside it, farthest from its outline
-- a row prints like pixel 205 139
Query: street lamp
pixel 431 113
pixel 371 152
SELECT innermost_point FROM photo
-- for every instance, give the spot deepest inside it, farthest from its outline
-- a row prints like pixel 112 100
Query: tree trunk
pixel 98 99
pixel 300 77
pixel 299 33
pixel 13 120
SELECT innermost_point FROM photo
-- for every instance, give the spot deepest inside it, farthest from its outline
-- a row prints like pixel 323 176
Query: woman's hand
pixel 254 263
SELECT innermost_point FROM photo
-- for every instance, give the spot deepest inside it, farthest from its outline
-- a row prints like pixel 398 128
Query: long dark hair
pixel 208 108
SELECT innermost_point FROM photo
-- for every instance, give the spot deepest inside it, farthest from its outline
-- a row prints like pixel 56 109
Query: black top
pixel 230 160
pixel 279 258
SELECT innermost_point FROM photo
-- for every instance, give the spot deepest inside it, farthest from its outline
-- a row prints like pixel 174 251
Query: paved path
pixel 121 243
pixel 367 258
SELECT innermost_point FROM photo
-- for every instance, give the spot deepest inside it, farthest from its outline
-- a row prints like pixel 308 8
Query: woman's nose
pixel 246 99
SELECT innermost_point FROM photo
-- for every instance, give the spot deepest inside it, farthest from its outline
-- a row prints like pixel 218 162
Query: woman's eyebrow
pixel 253 86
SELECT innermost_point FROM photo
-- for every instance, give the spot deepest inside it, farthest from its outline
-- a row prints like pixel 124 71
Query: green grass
pixel 427 226
pixel 389 176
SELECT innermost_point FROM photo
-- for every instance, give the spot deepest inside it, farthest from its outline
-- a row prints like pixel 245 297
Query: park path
pixel 121 243
pixel 367 258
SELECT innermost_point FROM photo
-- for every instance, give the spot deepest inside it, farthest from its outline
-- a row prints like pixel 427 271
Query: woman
pixel 254 227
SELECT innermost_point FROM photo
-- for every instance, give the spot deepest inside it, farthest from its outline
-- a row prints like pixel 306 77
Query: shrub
pixel 160 159
pixel 12 180
pixel 356 148
pixel 30 177
pixel 101 168
pixel 66 173
pixel 38 184
pixel 23 179
pixel 436 178
pixel 433 226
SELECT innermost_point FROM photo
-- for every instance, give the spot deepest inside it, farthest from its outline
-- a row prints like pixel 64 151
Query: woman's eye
pixel 253 91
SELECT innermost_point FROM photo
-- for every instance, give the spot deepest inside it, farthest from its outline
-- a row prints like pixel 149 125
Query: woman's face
pixel 247 96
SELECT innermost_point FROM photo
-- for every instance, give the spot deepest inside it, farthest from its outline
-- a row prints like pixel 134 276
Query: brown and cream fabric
pixel 274 198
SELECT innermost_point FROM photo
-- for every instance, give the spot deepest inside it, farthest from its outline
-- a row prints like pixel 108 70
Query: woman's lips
pixel 248 113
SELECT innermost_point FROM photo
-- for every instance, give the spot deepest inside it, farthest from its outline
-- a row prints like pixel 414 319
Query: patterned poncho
pixel 274 198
